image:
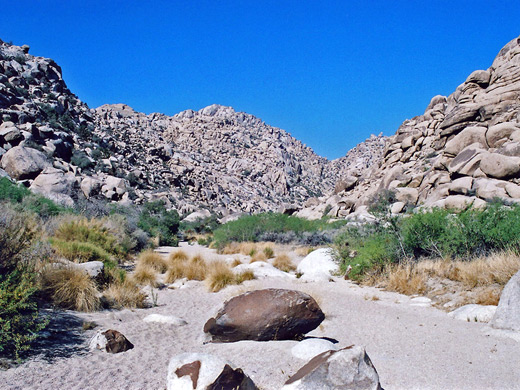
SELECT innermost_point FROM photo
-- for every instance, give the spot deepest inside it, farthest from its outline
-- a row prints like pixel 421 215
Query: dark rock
pixel 117 342
pixel 262 315
pixel 232 379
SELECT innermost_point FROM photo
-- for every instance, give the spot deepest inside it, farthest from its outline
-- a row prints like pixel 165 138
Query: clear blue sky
pixel 329 72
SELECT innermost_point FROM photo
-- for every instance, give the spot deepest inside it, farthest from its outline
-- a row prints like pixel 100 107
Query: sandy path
pixel 411 347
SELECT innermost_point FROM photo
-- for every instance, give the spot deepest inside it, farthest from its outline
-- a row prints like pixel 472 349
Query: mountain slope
pixel 214 158
pixel 464 149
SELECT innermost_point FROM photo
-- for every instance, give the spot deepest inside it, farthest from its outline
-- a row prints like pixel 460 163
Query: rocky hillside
pixel 464 149
pixel 214 158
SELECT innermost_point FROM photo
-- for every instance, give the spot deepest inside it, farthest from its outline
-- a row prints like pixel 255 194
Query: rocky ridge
pixel 214 158
pixel 464 149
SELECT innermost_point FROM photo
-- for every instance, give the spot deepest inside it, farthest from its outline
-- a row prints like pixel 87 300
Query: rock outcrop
pixel 464 149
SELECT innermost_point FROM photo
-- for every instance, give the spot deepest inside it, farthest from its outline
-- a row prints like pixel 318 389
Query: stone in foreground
pixel 199 371
pixel 111 341
pixel 264 315
pixel 507 315
pixel 347 368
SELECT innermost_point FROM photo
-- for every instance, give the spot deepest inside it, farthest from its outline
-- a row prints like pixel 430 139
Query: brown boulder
pixel 263 315
pixel 116 342
pixel 24 163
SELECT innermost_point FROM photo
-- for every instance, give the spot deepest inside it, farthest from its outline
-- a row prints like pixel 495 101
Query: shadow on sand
pixel 63 337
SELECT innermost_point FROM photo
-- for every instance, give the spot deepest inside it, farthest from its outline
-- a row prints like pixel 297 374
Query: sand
pixel 412 347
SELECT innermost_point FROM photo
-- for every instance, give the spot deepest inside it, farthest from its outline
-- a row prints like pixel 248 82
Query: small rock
pixel 318 265
pixel 111 341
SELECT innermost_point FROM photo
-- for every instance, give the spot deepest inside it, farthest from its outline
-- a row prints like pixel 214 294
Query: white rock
pixel 348 368
pixel 92 268
pixel 472 312
pixel 99 341
pixel 421 301
pixel 507 315
pixel 163 319
pixel 263 270
pixel 319 265
pixel 308 348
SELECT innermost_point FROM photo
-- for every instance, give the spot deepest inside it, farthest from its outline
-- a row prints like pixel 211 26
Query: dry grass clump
pixel 69 288
pixel 177 257
pixel 284 263
pixel 196 268
pixel 219 276
pixel 236 262
pixel 268 252
pixel 126 294
pixel 145 274
pixel 488 296
pixel 304 250
pixel 154 260
pixel 259 256
pixel 406 279
pixel 243 276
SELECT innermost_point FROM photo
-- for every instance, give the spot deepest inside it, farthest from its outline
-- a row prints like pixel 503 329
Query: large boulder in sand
pixel 507 315
pixel 263 315
pixel 24 163
pixel 319 265
pixel 199 371
pixel 347 368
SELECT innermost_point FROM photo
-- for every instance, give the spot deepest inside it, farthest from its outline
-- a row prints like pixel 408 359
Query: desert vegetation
pixel 42 246
pixel 474 248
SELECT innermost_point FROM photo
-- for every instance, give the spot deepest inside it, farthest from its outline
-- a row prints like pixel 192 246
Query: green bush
pixel 27 201
pixel 79 251
pixel 155 220
pixel 365 250
pixel 266 227
pixel 19 321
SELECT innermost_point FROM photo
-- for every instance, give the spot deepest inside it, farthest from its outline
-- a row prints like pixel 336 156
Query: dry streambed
pixel 411 344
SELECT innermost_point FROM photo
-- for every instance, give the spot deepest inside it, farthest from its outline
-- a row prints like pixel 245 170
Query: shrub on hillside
pixel 25 200
pixel 159 222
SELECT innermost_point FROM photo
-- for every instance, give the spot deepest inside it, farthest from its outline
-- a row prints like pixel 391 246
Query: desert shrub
pixel 69 288
pixel 81 160
pixel 200 226
pixel 82 230
pixel 159 222
pixel 283 262
pixel 269 227
pixel 366 250
pixel 258 256
pixel 25 200
pixel 268 252
pixel 124 294
pixel 79 251
pixel 19 320
pixel 196 268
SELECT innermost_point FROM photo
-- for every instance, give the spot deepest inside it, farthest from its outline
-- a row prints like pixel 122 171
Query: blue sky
pixel 329 72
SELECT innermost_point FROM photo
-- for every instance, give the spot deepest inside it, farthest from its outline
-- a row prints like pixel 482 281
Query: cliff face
pixel 464 149
pixel 214 158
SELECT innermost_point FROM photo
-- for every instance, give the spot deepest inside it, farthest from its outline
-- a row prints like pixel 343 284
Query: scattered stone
pixel 111 341
pixel 199 371
pixel 263 315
